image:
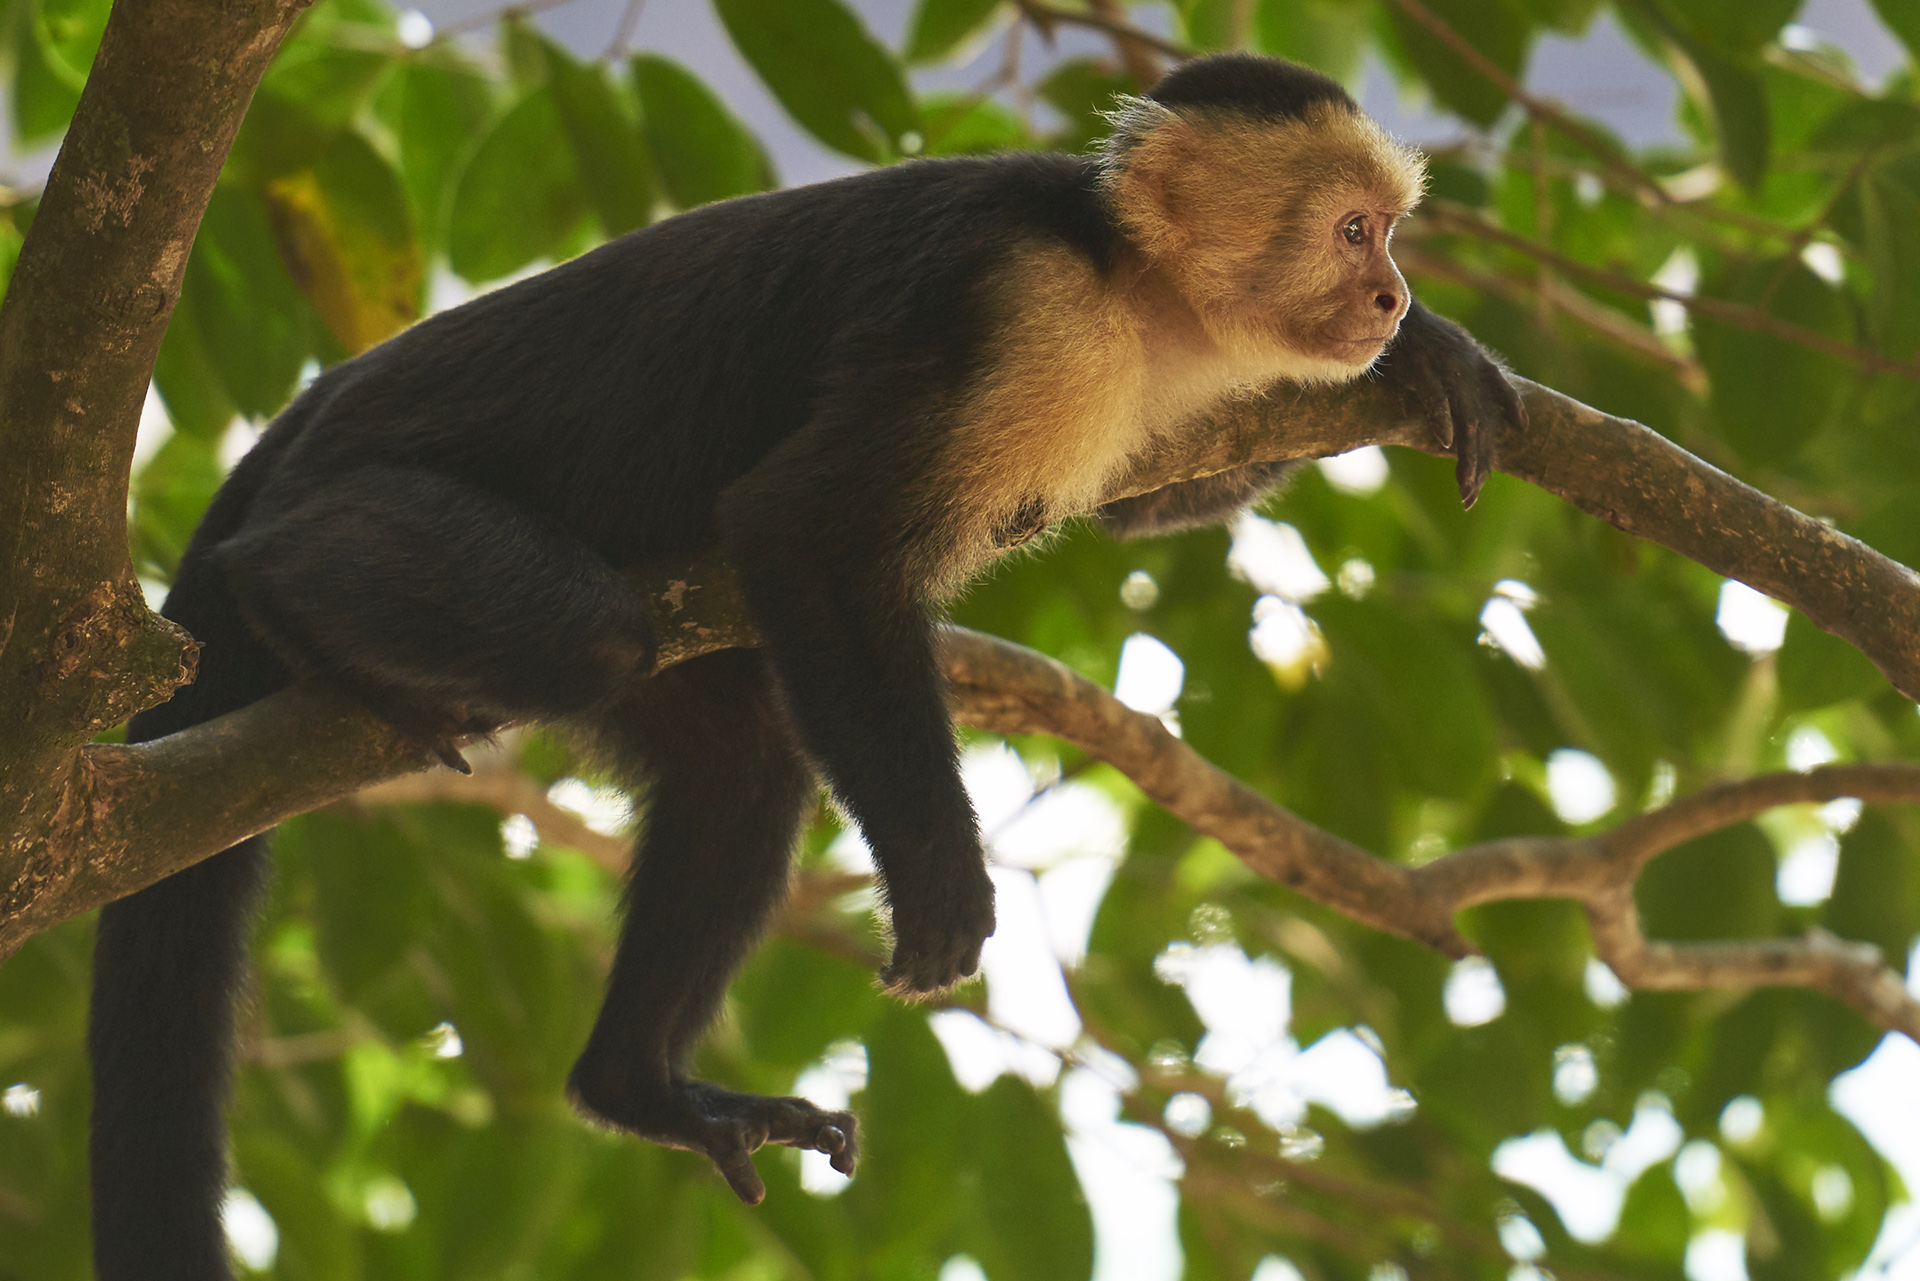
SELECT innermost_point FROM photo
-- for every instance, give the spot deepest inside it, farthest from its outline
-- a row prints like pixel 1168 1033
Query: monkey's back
pixel 618 394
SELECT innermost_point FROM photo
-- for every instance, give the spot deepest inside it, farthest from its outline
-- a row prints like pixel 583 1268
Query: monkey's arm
pixel 1446 377
pixel 1191 504
pixel 833 575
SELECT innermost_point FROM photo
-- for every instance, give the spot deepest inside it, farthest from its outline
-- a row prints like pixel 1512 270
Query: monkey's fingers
pixel 736 1167
pixel 1509 399
pixel 1472 445
pixel 1432 399
pixel 1495 408
pixel 844 1151
pixel 797 1123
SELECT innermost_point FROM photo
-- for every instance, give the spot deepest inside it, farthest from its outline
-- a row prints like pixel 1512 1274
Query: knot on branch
pixel 110 656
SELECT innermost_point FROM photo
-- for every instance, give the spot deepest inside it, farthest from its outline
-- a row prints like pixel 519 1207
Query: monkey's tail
pixel 168 969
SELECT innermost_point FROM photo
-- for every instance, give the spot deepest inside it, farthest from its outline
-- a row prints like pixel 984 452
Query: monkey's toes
pixel 734 1126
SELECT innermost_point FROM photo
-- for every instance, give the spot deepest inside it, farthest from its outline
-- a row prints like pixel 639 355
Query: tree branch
pixel 1045 17
pixel 147 808
pixel 80 326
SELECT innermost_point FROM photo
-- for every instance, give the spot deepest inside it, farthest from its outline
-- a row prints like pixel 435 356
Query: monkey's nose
pixel 1387 303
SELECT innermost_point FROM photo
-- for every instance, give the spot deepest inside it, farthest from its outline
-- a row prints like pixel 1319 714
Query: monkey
pixel 861 392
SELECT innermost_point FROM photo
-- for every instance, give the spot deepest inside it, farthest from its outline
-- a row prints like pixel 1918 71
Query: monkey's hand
pixel 1458 387
pixel 936 943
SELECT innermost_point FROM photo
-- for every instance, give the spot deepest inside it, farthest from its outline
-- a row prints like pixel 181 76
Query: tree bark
pixel 81 324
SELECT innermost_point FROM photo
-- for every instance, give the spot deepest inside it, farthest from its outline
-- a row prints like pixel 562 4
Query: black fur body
pixel 442 522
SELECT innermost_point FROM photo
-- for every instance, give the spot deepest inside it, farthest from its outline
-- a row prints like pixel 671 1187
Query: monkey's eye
pixel 1355 231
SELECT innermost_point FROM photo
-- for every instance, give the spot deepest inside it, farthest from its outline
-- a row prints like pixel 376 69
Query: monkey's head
pixel 1269 198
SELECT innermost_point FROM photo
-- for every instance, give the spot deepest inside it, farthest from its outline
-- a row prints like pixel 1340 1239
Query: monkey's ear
pixel 1155 175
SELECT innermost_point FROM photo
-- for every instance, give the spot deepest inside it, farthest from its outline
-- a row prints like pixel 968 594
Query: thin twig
pixel 1458 218
pixel 1046 16
pixel 1797 245
pixel 482 21
pixel 1595 315
pixel 623 33
pixel 1593 140
pixel 1136 55
pixel 1650 190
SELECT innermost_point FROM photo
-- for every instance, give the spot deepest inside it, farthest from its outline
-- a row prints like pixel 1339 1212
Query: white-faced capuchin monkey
pixel 860 391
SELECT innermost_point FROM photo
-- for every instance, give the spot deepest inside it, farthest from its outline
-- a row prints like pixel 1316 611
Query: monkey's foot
pixel 440 731
pixel 728 1128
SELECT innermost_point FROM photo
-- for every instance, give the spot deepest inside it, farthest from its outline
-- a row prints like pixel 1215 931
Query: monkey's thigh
pixel 727 789
pixel 419 588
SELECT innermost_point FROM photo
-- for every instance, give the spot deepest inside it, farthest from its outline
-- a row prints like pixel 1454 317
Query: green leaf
pixel 959 125
pixel 1889 221
pixel 361 935
pixel 826 71
pixel 519 196
pixel 252 319
pixel 1738 26
pixel 941 27
pixel 1739 97
pixel 608 153
pixel 1718 887
pixel 72 29
pixel 701 151
pixel 1735 90
pixel 1876 893
pixel 441 113
pixel 346 233
pixel 1493 27
pixel 1418 686
pixel 1083 90
pixel 279 136
pixel 331 82
pixel 1327 35
pixel 1654 1223
pixel 1037 1220
pixel 54 43
pixel 1212 24
pixel 914 1126
pixel 187 379
pixel 795 1000
pixel 1770 394
pixel 1817 668
pixel 1570 16
pixel 168 496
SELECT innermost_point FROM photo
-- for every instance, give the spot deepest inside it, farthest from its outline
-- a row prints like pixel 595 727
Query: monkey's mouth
pixel 1359 351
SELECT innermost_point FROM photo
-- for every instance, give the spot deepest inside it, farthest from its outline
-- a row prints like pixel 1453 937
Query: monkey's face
pixel 1278 233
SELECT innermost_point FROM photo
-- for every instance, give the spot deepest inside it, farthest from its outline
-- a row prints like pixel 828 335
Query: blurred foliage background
pixel 1231 1081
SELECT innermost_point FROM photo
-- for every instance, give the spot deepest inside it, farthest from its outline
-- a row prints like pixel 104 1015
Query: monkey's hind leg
pixel 727 792
pixel 447 608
